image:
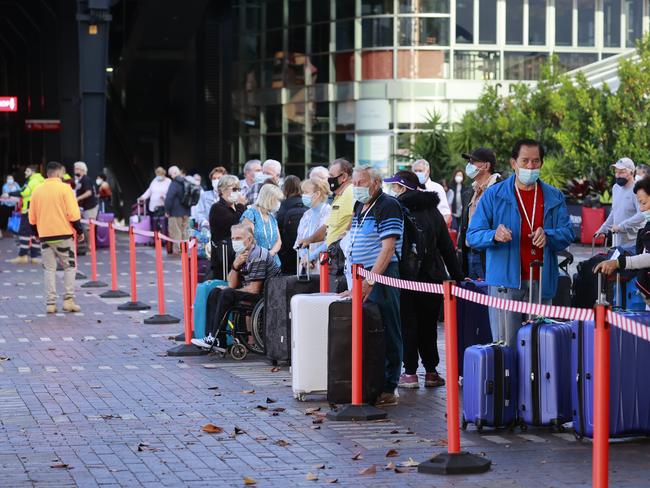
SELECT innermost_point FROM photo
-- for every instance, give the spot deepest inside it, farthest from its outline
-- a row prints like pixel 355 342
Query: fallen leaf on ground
pixel 210 366
pixel 212 429
pixel 409 464
pixel 369 470
pixel 331 480
pixel 311 411
pixel 261 438
pixel 400 470
pixel 278 410
pixel 392 453
pixel 275 369
pixel 319 466
pixel 394 431
pixel 143 446
pixel 213 387
pixel 281 443
pixel 61 466
pixel 262 407
pixel 358 456
pixel 270 400
pixel 311 477
pixel 390 466
pixel 249 481
pixel 239 431
pixel 317 421
pixel 248 392
pixel 4 358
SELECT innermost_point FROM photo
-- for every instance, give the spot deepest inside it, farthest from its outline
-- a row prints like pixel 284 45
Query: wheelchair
pixel 240 339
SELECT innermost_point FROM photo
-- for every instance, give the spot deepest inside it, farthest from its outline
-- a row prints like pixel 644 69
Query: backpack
pixel 414 248
pixel 191 194
pixel 288 236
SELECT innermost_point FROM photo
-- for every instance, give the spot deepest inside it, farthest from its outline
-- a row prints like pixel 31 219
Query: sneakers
pixel 70 306
pixel 408 381
pixel 37 260
pixel 387 399
pixel 19 260
pixel 433 380
pixel 205 343
pixel 51 309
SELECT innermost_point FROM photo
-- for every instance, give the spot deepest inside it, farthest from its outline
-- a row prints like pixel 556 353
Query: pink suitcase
pixel 101 233
pixel 141 221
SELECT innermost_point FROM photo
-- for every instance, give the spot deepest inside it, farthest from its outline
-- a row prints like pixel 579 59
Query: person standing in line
pixel 176 211
pixel 54 215
pixel 7 206
pixel 314 197
pixel 157 192
pixel 28 246
pixel 480 168
pixel 260 217
pixel 423 171
pixel 251 168
pixel 459 194
pixel 319 172
pixel 104 193
pixel 271 170
pixel 87 198
pixel 517 222
pixel 201 211
pixel 223 215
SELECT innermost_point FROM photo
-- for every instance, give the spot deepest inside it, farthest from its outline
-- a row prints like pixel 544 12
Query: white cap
pixel 624 163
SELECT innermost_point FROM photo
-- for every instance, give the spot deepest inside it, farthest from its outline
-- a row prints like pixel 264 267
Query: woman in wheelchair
pixel 252 266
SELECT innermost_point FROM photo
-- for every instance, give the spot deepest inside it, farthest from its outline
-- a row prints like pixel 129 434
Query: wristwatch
pixel 370 282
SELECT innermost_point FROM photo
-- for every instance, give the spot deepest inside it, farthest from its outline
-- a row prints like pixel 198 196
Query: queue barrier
pixel 455 461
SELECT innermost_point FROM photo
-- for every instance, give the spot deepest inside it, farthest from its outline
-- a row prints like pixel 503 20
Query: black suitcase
pixel 277 297
pixel 339 353
pixel 473 321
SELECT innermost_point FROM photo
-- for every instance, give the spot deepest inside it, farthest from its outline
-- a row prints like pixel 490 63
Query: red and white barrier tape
pixel 120 228
pixel 567 313
pixel 145 233
pixel 100 224
pixel 169 239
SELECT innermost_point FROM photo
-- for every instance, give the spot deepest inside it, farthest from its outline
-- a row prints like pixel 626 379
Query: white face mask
pixel 99 181
pixel 238 246
pixel 215 184
pixel 276 207
pixel 234 197
pixel 260 177
pixel 458 179
pixel 160 178
pixel 10 181
pixel 422 176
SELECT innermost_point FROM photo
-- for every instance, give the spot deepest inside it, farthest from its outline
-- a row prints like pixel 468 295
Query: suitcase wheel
pixel 523 427
pixel 579 437
pixel 463 424
pixel 238 351
pixel 479 426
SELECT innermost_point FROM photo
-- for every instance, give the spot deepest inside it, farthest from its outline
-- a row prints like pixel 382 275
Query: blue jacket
pixel 499 206
pixel 174 199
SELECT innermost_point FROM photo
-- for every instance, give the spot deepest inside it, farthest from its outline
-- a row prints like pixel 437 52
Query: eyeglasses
pixel 236 189
pixel 529 163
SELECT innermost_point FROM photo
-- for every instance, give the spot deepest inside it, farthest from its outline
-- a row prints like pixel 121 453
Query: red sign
pixel 42 124
pixel 8 104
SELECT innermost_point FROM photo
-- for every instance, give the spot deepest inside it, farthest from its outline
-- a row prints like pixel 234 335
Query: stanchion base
pixel 161 320
pixel 350 413
pixel 94 284
pixel 133 306
pixel 180 337
pixel 114 294
pixel 80 276
pixel 186 350
pixel 461 463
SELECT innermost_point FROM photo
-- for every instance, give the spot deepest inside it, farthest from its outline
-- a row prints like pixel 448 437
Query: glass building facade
pixel 318 79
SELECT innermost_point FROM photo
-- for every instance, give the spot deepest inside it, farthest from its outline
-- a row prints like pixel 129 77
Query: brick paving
pixel 92 400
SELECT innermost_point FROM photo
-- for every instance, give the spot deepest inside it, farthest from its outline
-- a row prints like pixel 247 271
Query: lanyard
pixel 360 226
pixel 266 236
pixel 531 222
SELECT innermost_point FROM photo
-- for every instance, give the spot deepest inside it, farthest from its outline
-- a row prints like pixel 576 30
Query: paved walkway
pixel 92 399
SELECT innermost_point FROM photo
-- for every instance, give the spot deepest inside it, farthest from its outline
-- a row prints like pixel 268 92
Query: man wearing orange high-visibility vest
pixel 54 214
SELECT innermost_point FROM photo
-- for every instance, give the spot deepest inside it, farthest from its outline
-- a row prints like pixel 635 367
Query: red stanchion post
pixel 186 349
pixel 194 270
pixel 600 455
pixel 324 261
pixel 134 304
pixel 78 274
pixel 93 283
pixel 161 317
pixel 357 410
pixel 114 292
pixel 453 461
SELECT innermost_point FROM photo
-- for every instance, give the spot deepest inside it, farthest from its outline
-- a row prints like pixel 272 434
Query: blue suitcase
pixel 629 408
pixel 544 360
pixel 473 321
pixel 489 386
pixel 200 305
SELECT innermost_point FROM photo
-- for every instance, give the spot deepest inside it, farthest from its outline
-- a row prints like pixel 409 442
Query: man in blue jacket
pixel 519 221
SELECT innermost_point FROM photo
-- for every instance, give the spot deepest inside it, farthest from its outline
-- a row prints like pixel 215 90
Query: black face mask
pixel 334 183
pixel 621 181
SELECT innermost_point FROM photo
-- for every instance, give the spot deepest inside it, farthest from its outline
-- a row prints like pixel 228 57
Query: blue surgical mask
pixel 646 215
pixel 471 170
pixel 528 176
pixel 361 194
pixel 238 246
pixel 307 200
pixel 260 177
pixel 422 177
pixel 10 181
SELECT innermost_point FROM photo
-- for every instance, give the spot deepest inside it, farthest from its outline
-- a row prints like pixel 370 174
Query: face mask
pixel 276 207
pixel 260 177
pixel 646 215
pixel 307 200
pixel 78 176
pixel 334 183
pixel 215 184
pixel 471 170
pixel 621 181
pixel 10 181
pixel 458 179
pixel 528 176
pixel 234 197
pixel 99 181
pixel 160 178
pixel 361 194
pixel 638 178
pixel 238 246
pixel 422 176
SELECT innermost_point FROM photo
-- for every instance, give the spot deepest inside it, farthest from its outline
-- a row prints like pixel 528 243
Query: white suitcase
pixel 309 322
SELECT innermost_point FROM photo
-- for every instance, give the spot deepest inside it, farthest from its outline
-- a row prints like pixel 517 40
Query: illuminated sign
pixel 42 124
pixel 8 104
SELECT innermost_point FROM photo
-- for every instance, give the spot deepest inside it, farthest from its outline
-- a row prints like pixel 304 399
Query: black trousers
pixel 419 313
pixel 220 301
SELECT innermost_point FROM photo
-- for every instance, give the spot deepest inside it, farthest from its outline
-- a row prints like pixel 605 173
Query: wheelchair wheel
pixel 257 326
pixel 238 351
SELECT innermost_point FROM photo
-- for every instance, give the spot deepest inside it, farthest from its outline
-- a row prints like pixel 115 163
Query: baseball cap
pixel 624 163
pixel 405 179
pixel 481 154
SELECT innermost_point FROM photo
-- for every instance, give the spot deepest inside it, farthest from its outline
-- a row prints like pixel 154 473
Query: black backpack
pixel 414 248
pixel 191 194
pixel 288 235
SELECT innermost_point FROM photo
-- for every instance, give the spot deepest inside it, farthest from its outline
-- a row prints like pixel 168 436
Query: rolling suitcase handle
pixel 302 277
pixel 593 242
pixel 535 264
pixel 224 260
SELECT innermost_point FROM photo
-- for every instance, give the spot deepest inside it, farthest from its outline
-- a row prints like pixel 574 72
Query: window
pixel 425 31
pixel 295 115
pixel 344 8
pixel 296 147
pixel 523 66
pixel 274 147
pixel 537 22
pixel 297 12
pixel 465 21
pixel 424 6
pixel 320 68
pixel 564 22
pixel 273 114
pixel 633 21
pixel 612 23
pixel 422 64
pixel 487 22
pixel 273 43
pixel 571 61
pixel 345 35
pixel 377 32
pixel 345 146
pixel 320 149
pixel 320 38
pixel 344 66
pixel 320 11
pixel 274 14
pixel 514 21
pixel 320 115
pixel 476 65
pixel 377 65
pixel 297 40
pixel 586 24
pixel 376 7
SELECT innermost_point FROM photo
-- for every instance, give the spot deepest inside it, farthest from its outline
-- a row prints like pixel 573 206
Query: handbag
pixel 13 223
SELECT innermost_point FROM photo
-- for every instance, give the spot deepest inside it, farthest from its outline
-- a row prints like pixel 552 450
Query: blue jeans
pixel 387 299
pixel 474 266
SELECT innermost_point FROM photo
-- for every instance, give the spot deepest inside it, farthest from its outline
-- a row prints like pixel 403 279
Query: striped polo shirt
pixel 382 220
